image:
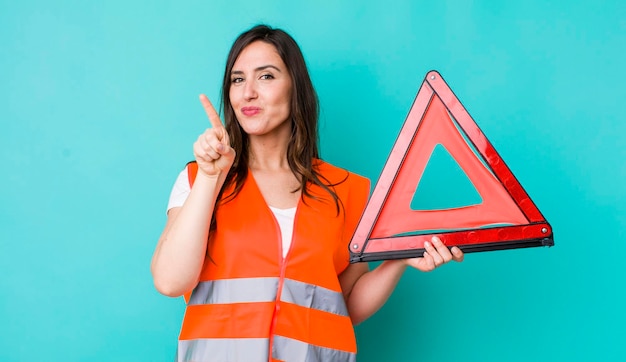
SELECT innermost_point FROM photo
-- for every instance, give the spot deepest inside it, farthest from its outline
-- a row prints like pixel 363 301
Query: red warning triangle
pixel 507 218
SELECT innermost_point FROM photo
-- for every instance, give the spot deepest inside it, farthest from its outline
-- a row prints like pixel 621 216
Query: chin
pixel 252 130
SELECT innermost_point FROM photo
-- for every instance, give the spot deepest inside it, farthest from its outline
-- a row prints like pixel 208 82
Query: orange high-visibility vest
pixel 251 304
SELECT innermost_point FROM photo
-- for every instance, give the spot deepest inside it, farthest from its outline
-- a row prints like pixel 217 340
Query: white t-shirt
pixel 284 217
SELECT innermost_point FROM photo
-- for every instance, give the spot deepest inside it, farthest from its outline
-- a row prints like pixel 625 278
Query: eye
pixel 236 80
pixel 267 76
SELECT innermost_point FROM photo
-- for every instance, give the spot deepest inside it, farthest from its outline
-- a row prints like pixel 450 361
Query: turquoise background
pixel 99 110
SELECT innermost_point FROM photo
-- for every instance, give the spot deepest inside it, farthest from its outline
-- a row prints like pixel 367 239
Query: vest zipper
pixel 283 266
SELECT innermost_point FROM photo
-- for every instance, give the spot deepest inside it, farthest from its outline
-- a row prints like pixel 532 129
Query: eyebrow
pixel 258 69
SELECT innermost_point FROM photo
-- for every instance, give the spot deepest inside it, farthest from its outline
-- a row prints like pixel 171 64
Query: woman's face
pixel 260 91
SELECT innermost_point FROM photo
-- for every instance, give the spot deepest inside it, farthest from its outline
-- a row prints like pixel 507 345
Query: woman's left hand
pixel 436 254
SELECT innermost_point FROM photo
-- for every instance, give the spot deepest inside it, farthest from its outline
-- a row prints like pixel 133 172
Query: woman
pixel 258 226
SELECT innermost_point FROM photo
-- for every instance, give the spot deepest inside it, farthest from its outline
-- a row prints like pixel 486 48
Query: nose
pixel 249 91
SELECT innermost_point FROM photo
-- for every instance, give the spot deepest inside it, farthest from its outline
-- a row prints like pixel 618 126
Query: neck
pixel 268 154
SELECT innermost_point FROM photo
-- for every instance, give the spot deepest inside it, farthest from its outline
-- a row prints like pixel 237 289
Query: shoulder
pixel 181 189
pixel 337 176
pixel 192 171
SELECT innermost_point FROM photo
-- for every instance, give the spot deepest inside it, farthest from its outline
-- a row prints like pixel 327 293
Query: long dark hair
pixel 302 149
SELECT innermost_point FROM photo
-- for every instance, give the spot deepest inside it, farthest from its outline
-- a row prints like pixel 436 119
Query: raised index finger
pixel 216 122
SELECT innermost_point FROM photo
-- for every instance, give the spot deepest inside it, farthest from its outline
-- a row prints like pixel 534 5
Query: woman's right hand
pixel 212 149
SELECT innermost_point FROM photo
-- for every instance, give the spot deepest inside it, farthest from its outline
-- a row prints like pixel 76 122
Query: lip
pixel 250 111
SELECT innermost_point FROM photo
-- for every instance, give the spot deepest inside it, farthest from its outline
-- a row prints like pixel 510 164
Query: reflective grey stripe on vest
pixel 313 296
pixel 287 349
pixel 238 290
pixel 223 350
pixel 250 290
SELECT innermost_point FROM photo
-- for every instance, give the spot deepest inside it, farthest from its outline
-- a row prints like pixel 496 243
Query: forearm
pixel 180 253
pixel 372 289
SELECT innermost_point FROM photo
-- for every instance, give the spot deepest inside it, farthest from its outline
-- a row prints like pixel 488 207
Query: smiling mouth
pixel 250 111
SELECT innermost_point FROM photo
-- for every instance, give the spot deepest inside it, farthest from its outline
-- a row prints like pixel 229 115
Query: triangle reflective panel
pixel 502 215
